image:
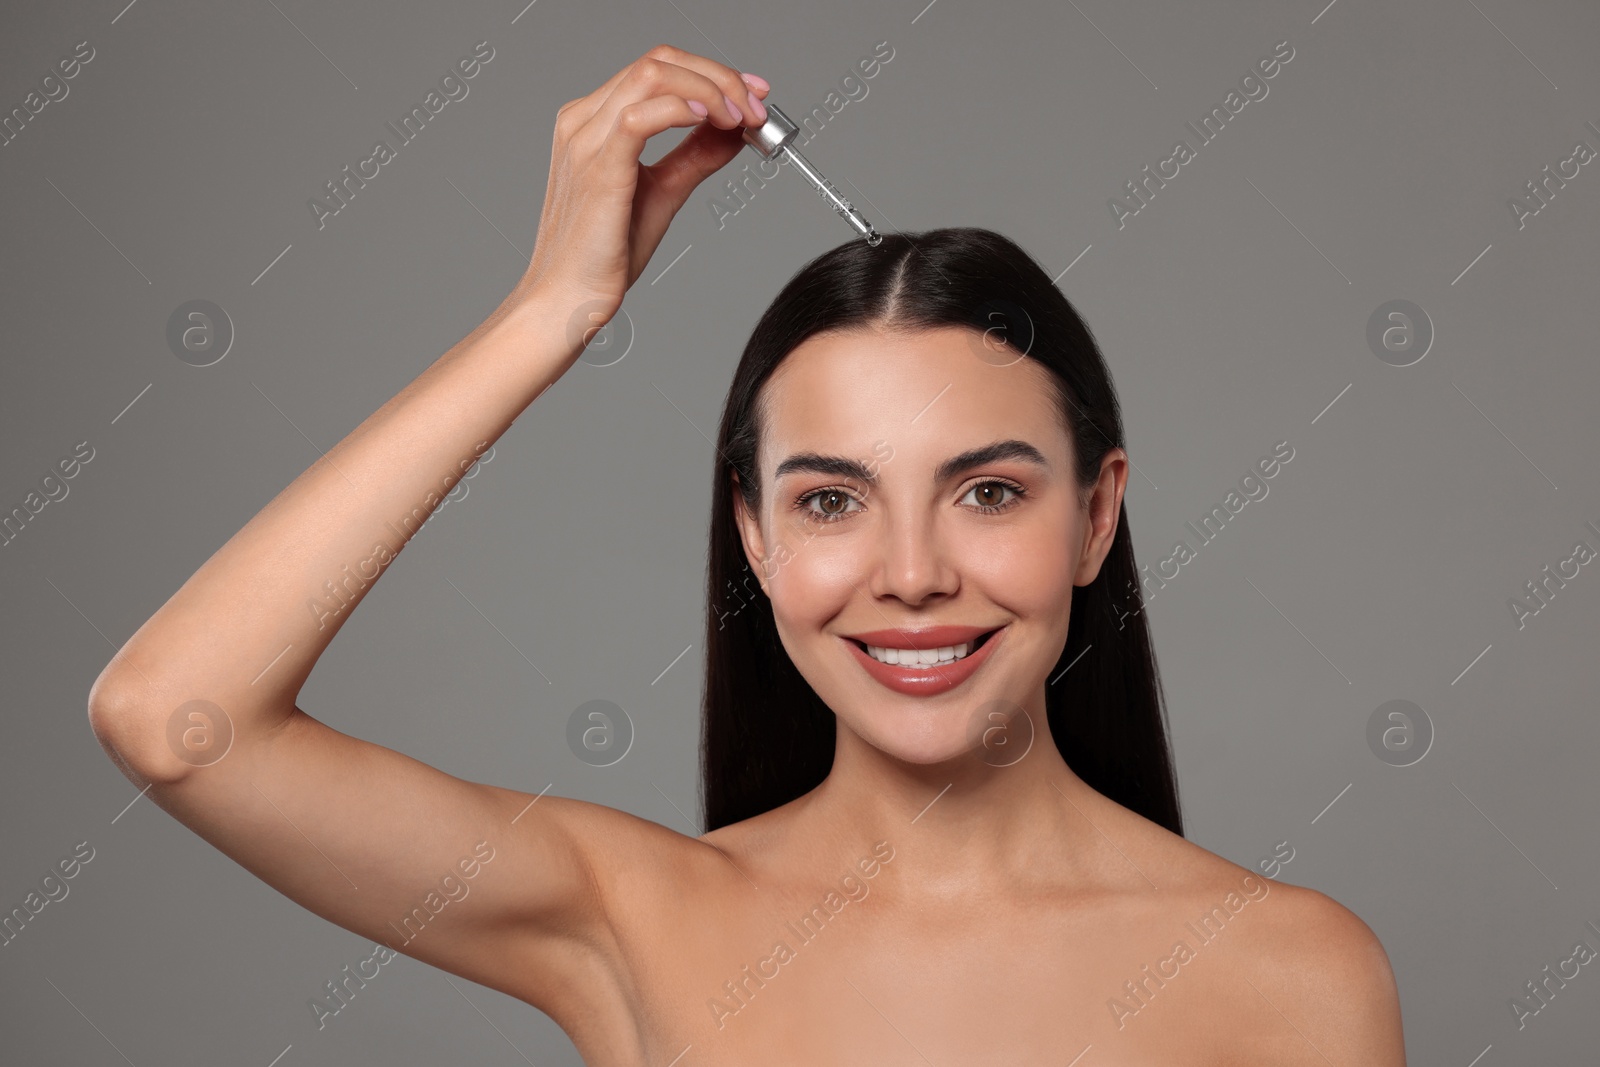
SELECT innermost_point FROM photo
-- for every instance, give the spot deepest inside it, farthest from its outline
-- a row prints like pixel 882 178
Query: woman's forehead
pixel 930 391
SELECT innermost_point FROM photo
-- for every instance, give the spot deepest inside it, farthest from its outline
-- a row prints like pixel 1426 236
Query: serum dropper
pixel 772 140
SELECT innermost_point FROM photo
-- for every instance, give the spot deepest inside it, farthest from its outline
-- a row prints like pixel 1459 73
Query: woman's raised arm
pixel 449 871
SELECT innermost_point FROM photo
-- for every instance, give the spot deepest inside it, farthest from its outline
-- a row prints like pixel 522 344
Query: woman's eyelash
pixel 803 502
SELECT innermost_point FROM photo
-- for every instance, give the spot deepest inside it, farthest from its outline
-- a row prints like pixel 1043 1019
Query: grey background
pixel 1232 309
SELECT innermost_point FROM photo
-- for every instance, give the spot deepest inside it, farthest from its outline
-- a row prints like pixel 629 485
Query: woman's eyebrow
pixel 845 467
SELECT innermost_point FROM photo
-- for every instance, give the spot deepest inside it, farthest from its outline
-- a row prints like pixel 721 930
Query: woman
pixel 921 588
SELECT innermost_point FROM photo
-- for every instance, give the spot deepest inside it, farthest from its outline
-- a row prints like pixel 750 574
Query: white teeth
pixel 911 657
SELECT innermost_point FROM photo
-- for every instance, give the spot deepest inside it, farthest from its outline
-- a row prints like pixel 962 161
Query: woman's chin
pixel 926 746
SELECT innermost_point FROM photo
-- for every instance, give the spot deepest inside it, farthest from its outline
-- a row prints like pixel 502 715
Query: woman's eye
pixel 990 496
pixel 828 504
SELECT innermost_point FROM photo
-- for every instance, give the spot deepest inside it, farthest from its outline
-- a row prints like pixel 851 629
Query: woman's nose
pixel 913 561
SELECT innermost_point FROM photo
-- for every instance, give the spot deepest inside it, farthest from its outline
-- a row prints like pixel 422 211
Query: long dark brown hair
pixel 767 738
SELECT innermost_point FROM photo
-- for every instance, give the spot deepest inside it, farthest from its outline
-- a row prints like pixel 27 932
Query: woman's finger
pixel 649 78
pixel 582 109
pixel 720 89
pixel 635 124
pixel 701 154
pixel 730 80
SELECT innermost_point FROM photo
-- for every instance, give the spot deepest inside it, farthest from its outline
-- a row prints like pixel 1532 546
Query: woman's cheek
pixel 815 579
pixel 816 584
pixel 1030 572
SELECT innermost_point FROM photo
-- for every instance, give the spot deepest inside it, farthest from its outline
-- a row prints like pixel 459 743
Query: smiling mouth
pixel 913 658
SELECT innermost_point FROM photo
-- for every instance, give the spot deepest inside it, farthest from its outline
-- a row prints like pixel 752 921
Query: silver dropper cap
pixel 777 131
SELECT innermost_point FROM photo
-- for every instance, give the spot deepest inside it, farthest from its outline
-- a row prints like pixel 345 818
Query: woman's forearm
pixel 247 627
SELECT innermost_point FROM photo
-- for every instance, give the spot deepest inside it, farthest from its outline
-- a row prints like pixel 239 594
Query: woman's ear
pixel 750 535
pixel 1105 505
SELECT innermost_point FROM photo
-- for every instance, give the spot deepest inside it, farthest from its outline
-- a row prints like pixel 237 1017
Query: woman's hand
pixel 605 212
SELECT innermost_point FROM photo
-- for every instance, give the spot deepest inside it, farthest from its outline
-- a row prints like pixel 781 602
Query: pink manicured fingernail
pixel 698 108
pixel 738 116
pixel 757 108
pixel 755 81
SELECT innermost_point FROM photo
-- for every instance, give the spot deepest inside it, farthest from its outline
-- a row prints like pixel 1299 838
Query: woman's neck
pixel 966 826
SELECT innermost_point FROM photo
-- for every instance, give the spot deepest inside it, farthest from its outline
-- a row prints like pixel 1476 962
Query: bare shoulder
pixel 1331 967
pixel 1317 966
pixel 1310 969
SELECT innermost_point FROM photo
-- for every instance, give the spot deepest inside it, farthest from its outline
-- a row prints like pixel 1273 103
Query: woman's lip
pixel 926 637
pixel 925 681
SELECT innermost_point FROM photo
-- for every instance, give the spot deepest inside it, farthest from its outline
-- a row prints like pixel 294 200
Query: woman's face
pixel 913 480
